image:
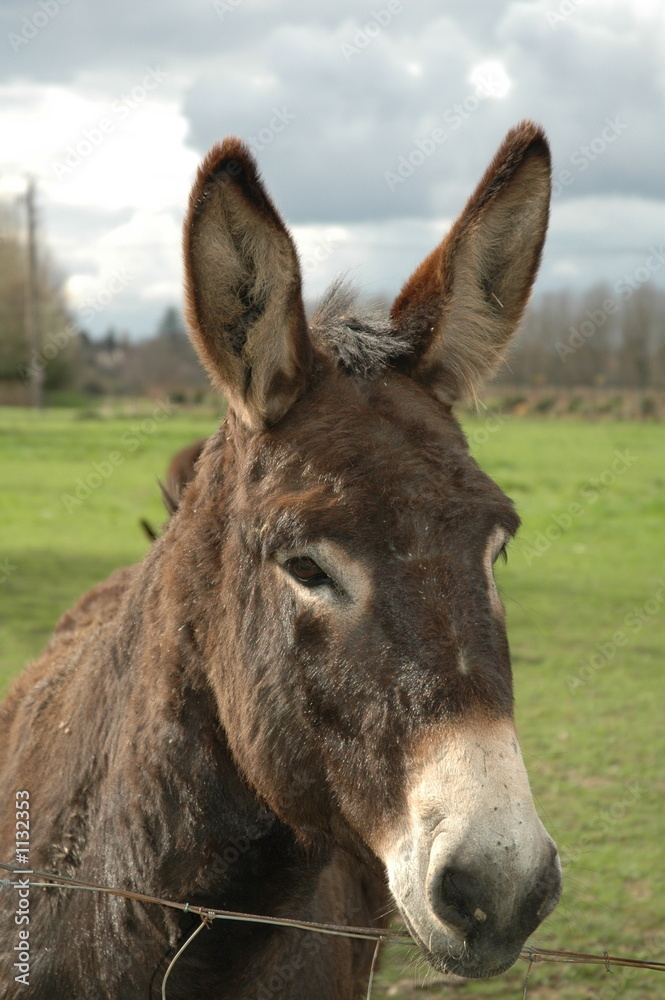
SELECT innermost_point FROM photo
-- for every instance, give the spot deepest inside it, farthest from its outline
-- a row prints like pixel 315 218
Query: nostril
pixel 453 902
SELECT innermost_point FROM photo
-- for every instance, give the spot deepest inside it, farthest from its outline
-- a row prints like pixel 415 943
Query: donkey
pixel 302 697
pixel 181 471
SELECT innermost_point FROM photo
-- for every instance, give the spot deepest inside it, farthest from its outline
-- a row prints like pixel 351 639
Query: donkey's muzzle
pixel 472 868
pixel 493 927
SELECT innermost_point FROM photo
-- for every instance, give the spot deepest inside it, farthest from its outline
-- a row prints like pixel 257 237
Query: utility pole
pixel 32 312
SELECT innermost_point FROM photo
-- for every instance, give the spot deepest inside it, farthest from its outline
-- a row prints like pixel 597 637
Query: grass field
pixel 585 593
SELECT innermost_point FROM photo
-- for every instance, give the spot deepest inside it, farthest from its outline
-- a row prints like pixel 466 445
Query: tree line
pixel 597 337
pixel 612 336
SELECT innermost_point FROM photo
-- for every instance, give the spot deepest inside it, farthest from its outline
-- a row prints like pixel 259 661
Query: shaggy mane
pixel 358 335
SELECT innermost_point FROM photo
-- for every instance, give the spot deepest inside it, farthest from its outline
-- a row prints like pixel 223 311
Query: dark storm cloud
pixel 366 82
pixel 597 88
pixel 68 37
pixel 364 114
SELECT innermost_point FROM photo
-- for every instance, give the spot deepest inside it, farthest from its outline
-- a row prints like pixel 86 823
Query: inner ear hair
pixel 462 306
pixel 243 288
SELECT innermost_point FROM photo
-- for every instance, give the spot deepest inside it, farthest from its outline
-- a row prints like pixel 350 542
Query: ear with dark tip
pixel 181 471
pixel 464 303
pixel 148 529
pixel 168 500
pixel 243 288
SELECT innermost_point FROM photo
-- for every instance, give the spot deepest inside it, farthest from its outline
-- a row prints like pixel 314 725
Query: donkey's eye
pixel 306 571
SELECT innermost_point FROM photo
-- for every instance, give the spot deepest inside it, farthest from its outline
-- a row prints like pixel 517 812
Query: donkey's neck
pixel 195 828
pixel 139 789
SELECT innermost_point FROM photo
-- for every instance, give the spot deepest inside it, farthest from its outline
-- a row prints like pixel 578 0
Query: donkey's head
pixel 356 640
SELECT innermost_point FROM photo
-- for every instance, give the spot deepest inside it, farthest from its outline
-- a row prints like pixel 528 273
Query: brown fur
pixel 248 286
pixel 472 289
pixel 197 728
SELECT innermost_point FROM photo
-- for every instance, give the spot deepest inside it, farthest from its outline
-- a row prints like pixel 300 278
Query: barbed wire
pixel 531 953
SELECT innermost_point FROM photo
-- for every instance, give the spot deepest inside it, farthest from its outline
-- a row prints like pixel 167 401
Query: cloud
pixel 370 122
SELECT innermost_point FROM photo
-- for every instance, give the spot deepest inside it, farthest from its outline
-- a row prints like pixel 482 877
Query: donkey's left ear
pixel 243 289
pixel 463 304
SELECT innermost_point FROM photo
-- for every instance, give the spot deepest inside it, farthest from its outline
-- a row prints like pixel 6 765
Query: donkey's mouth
pixel 463 959
pixel 472 870
pixel 462 925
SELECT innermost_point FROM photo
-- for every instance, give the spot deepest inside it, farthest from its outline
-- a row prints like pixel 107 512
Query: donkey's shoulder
pixel 95 608
pixel 92 615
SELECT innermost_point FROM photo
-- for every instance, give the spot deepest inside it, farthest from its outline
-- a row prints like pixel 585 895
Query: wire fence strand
pixel 531 954
pixel 197 930
pixel 340 930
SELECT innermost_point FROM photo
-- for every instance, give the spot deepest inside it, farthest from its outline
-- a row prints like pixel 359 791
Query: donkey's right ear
pixel 243 295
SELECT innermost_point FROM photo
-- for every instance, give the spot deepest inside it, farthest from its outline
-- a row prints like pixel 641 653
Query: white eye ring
pixel 496 544
pixel 502 553
pixel 344 583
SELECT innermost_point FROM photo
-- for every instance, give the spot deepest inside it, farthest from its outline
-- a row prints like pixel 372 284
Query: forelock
pixel 358 335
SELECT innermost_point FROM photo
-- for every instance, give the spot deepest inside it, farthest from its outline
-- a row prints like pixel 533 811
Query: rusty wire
pixel 531 954
pixel 64 882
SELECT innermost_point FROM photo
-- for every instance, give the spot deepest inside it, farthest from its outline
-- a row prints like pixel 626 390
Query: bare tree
pixel 593 338
pixel 38 344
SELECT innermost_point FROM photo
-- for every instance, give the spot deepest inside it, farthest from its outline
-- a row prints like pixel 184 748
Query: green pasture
pixel 584 589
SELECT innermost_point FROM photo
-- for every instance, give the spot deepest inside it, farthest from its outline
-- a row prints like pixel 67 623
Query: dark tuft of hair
pixel 358 335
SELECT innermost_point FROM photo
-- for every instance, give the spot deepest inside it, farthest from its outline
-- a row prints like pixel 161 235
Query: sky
pixel 371 123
